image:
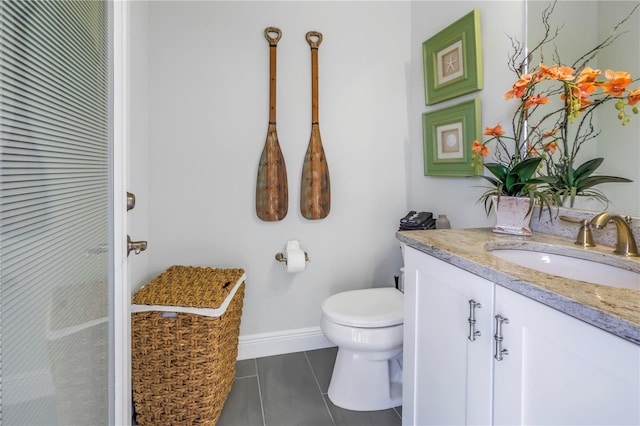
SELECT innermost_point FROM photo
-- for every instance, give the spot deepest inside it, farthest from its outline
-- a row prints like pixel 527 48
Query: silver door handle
pixel 135 246
pixel 473 333
pixel 500 352
pixel 131 200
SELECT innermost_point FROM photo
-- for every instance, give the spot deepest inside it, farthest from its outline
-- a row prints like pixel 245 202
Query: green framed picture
pixel 453 60
pixel 448 134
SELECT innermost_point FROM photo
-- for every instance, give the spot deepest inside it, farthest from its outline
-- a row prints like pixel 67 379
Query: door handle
pixel 499 351
pixel 131 200
pixel 473 333
pixel 135 246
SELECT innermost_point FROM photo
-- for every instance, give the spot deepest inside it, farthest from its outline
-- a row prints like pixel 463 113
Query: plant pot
pixel 512 215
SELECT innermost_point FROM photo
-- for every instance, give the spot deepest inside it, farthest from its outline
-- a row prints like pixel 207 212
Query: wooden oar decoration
pixel 315 194
pixel 272 197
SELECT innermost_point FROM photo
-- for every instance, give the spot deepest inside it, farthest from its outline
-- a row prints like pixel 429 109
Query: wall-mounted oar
pixel 315 194
pixel 272 197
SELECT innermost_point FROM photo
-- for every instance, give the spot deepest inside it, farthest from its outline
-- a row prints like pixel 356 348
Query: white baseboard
pixel 281 342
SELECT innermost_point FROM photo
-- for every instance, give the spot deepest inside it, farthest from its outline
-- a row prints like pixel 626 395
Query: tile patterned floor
pixel 291 390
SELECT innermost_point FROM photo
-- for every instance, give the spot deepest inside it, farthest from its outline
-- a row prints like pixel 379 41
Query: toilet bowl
pixel 367 327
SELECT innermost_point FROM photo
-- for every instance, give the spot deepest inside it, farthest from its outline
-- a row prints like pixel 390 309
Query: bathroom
pixel 198 116
pixel 198 113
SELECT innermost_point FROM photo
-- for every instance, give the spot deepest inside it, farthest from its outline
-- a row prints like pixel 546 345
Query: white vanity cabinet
pixel 554 369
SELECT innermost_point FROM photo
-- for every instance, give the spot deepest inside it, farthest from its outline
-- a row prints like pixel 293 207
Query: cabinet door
pixel 447 377
pixel 560 370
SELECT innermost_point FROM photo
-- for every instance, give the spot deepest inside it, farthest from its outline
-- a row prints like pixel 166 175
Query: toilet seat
pixel 367 308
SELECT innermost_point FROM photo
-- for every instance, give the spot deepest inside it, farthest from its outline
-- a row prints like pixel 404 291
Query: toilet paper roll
pixel 295 257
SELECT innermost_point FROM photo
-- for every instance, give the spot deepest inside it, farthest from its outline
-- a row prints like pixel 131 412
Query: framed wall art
pixel 453 60
pixel 448 134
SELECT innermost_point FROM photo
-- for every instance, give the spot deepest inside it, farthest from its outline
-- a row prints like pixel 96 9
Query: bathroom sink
pixel 572 267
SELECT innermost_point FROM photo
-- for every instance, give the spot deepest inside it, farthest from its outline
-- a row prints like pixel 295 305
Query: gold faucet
pixel 626 244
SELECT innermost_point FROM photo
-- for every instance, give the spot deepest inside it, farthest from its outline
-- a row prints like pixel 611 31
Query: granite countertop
pixel 615 310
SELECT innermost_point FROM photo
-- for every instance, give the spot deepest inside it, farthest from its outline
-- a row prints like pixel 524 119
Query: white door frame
pixel 122 292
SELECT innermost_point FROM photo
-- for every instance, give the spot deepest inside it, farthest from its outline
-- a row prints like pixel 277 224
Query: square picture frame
pixel 448 134
pixel 452 60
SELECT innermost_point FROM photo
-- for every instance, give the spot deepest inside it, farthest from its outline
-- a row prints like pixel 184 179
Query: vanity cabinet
pixel 553 368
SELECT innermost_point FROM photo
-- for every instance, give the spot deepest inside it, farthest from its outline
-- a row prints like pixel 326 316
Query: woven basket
pixel 183 366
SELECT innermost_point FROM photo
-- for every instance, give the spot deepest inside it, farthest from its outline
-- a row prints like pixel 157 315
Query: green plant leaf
pixel 591 181
pixel 587 168
pixel 498 170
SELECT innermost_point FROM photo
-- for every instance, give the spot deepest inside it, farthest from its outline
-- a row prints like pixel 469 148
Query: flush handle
pixel 473 333
pixel 135 246
pixel 499 351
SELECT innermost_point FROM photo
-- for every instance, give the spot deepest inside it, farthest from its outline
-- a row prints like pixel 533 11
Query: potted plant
pixel 552 120
pixel 515 184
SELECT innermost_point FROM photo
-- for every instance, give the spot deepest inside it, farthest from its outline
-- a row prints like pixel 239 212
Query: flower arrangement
pixel 553 119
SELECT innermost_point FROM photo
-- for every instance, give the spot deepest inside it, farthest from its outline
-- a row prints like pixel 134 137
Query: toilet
pixel 367 327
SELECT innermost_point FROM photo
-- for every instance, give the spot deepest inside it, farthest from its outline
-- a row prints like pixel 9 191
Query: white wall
pixel 201 95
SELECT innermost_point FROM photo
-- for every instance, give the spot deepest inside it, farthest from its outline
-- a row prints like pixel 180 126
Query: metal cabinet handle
pixel 473 333
pixel 499 351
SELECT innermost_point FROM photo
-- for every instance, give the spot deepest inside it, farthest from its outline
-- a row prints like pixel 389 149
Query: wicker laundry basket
pixel 185 325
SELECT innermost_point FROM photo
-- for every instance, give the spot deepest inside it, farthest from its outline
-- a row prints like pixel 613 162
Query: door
pixel 447 346
pixel 59 216
pixel 560 370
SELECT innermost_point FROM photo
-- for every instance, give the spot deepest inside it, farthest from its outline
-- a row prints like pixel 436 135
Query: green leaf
pixel 591 181
pixel 587 168
pixel 498 170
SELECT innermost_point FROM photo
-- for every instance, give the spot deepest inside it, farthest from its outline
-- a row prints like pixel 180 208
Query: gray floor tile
pixel 242 407
pixel 289 391
pixel 246 368
pixel 322 361
pixel 344 417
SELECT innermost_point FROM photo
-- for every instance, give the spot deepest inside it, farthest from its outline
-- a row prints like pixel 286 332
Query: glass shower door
pixel 55 203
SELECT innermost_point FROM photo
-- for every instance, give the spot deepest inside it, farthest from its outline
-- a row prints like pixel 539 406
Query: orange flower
pixel 493 131
pixel 634 96
pixel 557 73
pixel 533 151
pixel 549 133
pixel 582 91
pixel 618 82
pixel 551 147
pixel 519 87
pixel 588 75
pixel 480 149
pixel 536 99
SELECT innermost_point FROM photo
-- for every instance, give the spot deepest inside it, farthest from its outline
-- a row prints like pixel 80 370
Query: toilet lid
pixel 368 308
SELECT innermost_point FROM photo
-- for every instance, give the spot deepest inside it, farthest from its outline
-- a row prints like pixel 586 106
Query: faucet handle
pixel 585 237
pixel 571 219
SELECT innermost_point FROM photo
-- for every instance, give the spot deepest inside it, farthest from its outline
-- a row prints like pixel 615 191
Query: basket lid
pixel 190 286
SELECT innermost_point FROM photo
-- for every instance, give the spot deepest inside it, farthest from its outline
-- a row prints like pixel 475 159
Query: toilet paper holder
pixel 282 258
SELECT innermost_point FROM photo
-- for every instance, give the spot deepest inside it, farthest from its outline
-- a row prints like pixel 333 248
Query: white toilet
pixel 366 325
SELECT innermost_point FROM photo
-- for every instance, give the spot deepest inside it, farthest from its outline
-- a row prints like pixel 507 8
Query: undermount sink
pixel 571 267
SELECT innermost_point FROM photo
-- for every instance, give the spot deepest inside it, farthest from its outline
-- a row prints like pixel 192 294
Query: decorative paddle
pixel 272 197
pixel 315 194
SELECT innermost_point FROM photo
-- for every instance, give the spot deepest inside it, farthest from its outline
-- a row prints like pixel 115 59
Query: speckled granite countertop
pixel 612 309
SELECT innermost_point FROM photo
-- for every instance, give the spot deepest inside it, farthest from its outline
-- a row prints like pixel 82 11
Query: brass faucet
pixel 626 244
